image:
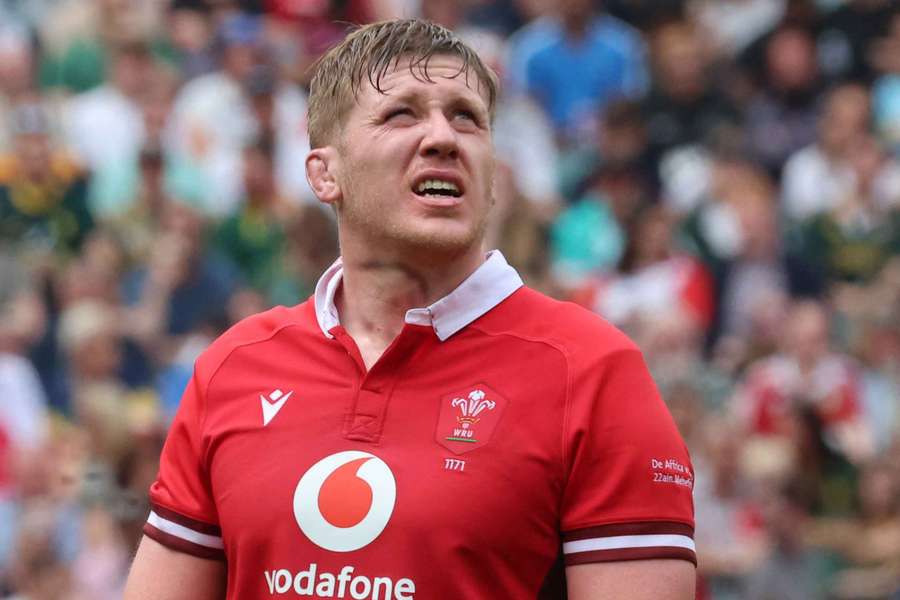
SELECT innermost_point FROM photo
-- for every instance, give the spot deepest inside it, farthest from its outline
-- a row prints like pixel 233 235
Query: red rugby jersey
pixel 500 430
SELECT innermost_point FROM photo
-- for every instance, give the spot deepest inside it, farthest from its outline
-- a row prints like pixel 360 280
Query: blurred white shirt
pixel 523 139
pixel 104 127
pixel 23 409
pixel 734 24
pixel 813 183
pixel 211 123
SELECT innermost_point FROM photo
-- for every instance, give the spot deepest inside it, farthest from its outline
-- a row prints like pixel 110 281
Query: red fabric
pixel 582 445
pixel 5 459
pixel 678 282
pixel 698 293
pixel 773 385
pixel 356 11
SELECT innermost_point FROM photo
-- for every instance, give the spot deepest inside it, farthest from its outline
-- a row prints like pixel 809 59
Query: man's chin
pixel 439 239
pixel 435 237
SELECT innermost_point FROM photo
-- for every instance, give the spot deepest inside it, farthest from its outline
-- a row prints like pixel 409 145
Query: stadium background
pixel 720 178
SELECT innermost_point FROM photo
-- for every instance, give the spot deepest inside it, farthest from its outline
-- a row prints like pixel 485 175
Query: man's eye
pixel 467 114
pixel 397 112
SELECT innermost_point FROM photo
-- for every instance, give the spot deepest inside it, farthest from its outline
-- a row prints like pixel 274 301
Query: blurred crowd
pixel 719 178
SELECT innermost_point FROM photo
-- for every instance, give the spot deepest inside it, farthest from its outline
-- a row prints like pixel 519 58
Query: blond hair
pixel 369 53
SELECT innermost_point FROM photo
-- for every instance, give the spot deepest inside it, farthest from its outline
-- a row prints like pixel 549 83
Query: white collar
pixel 488 286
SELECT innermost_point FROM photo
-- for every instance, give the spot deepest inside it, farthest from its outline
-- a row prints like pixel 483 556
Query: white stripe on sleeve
pixel 620 542
pixel 172 528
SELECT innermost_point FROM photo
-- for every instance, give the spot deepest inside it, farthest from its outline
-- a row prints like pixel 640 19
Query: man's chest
pixel 456 454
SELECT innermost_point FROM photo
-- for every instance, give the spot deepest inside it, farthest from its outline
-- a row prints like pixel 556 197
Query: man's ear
pixel 322 166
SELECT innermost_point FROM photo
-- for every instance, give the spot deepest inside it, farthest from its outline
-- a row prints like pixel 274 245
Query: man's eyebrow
pixel 407 96
pixel 468 99
pixel 410 96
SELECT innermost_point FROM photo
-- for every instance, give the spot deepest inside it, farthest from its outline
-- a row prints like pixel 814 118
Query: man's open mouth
pixel 437 187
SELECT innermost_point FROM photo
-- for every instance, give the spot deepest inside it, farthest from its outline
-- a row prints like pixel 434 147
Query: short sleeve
pixel 183 515
pixel 628 493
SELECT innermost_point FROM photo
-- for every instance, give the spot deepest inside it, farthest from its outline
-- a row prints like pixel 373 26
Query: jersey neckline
pixel 489 285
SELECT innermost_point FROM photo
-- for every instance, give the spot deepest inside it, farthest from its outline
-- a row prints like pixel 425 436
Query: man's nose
pixel 440 137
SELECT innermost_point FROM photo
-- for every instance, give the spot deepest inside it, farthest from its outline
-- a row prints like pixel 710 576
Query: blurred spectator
pixel 518 230
pixel 23 412
pixel 734 24
pixel 98 572
pixel 684 106
pixel 886 90
pixel 872 542
pixel 279 108
pixel 817 177
pixel 320 25
pixel 646 14
pixel 311 247
pixel 867 317
pixel 95 274
pixel 523 137
pixel 140 224
pixel 214 118
pixel 623 144
pixel 501 17
pixel 824 476
pixel 781 118
pixel 857 236
pixel 16 72
pixel 253 237
pixel 43 193
pixel 579 61
pixel 757 276
pixel 790 571
pixel 807 372
pixel 77 36
pixel 737 235
pixel 105 124
pixel 121 190
pixel 181 287
pixel 730 535
pixel 585 239
pixel 847 35
pixel 39 572
pixel 444 12
pixel 93 347
pixel 610 181
pixel 654 280
pixel 191 31
pixel 624 172
pixel 749 64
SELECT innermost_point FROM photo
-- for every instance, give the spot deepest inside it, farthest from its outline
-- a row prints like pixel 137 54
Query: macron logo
pixel 273 404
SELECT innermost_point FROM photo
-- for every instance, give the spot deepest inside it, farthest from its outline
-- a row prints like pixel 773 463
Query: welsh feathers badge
pixel 468 418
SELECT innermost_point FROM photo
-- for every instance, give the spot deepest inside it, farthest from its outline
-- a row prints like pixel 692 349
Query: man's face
pixel 415 164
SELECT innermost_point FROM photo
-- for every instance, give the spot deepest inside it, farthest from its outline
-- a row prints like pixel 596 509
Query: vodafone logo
pixel 344 501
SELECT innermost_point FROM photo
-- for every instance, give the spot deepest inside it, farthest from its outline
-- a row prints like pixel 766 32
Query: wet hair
pixel 368 54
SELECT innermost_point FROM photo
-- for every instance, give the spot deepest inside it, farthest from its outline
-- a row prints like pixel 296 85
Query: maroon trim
pixel 646 528
pixel 181 545
pixel 198 526
pixel 592 556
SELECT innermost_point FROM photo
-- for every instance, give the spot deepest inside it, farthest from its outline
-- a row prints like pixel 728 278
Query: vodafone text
pixel 342 585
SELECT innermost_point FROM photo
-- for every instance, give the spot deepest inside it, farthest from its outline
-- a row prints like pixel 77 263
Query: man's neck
pixel 376 292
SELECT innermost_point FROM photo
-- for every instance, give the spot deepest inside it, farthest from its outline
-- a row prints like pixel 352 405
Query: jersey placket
pixel 365 418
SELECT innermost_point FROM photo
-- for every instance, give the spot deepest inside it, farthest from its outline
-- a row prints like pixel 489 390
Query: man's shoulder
pixel 572 329
pixel 255 329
